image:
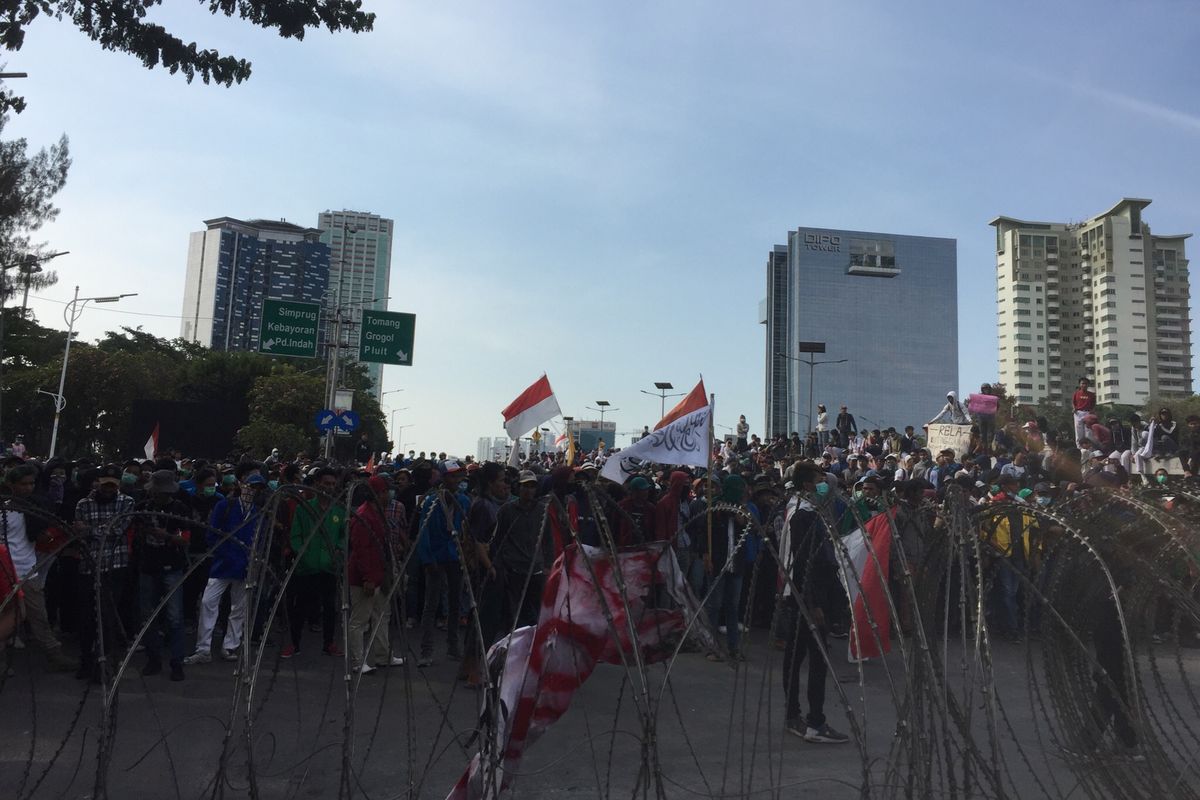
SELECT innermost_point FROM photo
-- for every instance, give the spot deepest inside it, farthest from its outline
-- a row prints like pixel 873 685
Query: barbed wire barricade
pixel 1023 650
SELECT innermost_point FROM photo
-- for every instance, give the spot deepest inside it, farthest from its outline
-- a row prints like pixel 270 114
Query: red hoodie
pixel 666 510
pixel 368 546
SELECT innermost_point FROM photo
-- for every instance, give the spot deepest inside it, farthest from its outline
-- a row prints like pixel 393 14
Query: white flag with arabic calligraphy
pixel 682 442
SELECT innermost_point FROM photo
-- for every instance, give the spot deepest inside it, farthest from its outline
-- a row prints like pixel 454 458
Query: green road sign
pixel 289 328
pixel 387 337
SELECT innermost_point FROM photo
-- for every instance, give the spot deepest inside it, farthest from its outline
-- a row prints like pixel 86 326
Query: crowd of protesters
pixel 428 546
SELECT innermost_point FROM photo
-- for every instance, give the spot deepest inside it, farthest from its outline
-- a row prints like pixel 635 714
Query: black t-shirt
pixel 152 553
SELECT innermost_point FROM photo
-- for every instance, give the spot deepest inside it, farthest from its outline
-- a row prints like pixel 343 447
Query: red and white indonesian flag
pixel 535 405
pixel 543 666
pixel 863 560
pixel 681 438
pixel 151 446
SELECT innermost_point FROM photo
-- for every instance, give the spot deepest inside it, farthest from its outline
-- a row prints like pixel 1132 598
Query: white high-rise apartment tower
pixel 360 266
pixel 1102 299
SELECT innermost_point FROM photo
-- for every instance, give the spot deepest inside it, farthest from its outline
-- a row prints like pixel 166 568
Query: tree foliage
pixel 123 25
pixel 280 397
pixel 28 184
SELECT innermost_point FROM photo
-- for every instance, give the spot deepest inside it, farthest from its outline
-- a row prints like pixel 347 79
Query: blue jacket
pixel 435 544
pixel 232 556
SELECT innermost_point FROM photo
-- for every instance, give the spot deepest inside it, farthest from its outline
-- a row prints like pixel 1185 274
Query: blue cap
pixel 256 479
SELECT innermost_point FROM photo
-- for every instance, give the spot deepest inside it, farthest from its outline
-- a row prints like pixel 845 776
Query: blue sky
pixel 591 190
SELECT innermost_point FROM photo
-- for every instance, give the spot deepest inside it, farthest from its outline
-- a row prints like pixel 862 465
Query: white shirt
pixel 20 549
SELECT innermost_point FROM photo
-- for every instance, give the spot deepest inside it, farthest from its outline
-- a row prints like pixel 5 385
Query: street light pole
pixel 392 424
pixel 811 348
pixel 662 387
pixel 71 314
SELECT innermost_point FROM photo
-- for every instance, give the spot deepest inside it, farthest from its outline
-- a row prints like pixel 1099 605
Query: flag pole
pixel 712 404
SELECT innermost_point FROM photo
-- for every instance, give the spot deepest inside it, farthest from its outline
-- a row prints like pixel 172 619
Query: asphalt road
pixel 719 731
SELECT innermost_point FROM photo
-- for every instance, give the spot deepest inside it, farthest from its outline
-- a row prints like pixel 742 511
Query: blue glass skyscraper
pixel 885 303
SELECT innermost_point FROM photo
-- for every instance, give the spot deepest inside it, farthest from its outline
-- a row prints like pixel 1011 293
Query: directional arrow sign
pixel 346 421
pixel 387 337
pixel 289 328
pixel 325 420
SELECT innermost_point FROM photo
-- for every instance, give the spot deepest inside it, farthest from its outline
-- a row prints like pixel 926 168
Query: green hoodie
pixel 332 534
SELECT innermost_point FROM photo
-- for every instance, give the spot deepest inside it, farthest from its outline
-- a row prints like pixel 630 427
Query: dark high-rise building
pixel 234 265
pixel 884 305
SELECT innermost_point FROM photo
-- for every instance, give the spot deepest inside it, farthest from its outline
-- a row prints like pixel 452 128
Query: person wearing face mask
pixel 1007 531
pixel 23 527
pixel 443 518
pixel 200 504
pixel 161 540
pixel 370 575
pixel 723 565
pixel 228 484
pixel 103 569
pixel 318 539
pixel 810 577
pixel 232 528
pixel 61 572
pixel 1161 477
pixel 131 480
pixel 1044 536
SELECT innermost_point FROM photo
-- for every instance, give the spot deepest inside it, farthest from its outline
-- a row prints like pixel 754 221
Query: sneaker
pixel 176 671
pixel 198 658
pixel 333 650
pixel 796 727
pixel 425 661
pixel 824 735
pixel 288 651
pixel 152 668
pixel 366 669
pixel 1130 753
pixel 721 629
pixel 229 655
pixel 394 661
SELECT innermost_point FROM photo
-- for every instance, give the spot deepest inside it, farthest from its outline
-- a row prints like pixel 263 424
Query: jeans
pixel 447 576
pixel 153 588
pixel 1006 585
pixel 800 643
pixel 524 603
pixel 721 605
pixel 306 591
pixel 1112 701
pixel 99 630
pixel 987 429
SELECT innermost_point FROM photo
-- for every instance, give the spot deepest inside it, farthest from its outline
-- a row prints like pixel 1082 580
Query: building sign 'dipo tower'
pixel 885 309
pixel 1102 299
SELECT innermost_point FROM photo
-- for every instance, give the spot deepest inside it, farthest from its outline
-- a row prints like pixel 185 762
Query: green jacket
pixel 319 556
